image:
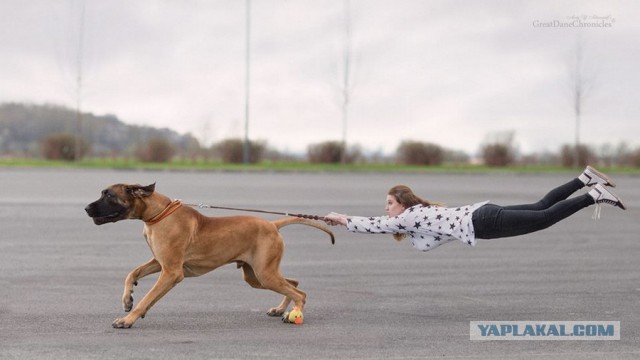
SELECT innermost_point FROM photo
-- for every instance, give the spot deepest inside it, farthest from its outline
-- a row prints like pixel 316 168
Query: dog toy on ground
pixel 295 316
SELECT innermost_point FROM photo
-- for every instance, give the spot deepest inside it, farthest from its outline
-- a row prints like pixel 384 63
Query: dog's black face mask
pixel 119 202
pixel 107 209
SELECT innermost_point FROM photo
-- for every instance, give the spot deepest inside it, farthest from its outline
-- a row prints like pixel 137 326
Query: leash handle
pixel 306 216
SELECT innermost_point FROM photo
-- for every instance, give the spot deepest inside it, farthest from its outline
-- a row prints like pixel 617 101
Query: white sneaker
pixel 603 195
pixel 591 176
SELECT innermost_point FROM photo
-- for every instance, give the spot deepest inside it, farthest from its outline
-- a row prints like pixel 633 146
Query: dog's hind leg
pixel 250 276
pixel 287 288
pixel 270 278
pixel 251 279
pixel 150 267
pixel 282 307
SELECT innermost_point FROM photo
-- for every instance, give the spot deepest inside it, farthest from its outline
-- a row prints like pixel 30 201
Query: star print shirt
pixel 427 226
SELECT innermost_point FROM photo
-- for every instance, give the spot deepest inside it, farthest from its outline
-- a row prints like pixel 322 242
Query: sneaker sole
pixel 618 202
pixel 602 176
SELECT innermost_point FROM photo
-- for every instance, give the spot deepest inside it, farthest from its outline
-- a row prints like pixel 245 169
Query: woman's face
pixel 393 208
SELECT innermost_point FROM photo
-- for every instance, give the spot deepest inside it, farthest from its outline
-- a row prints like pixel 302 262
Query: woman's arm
pixel 336 219
pixel 377 225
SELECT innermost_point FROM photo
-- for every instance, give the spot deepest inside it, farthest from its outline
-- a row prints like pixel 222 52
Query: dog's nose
pixel 86 208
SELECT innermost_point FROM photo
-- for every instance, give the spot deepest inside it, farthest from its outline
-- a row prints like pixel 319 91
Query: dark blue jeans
pixel 492 221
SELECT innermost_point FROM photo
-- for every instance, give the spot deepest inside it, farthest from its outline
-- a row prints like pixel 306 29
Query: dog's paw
pixel 127 298
pixel 285 318
pixel 275 312
pixel 121 323
pixel 127 303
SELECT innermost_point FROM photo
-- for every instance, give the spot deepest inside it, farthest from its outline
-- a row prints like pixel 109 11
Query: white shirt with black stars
pixel 427 226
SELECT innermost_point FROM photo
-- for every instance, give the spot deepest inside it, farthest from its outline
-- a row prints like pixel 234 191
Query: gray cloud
pixel 438 71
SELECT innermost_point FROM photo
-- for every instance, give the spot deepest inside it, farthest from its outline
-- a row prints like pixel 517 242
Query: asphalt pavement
pixel 369 297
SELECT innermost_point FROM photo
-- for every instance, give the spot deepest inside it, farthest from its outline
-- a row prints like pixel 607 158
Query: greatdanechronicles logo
pixel 574 21
pixel 544 330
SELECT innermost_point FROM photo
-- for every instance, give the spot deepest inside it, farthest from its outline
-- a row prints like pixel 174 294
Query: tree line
pixel 49 131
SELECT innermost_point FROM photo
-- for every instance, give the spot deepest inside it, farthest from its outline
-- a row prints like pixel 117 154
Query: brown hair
pixel 405 197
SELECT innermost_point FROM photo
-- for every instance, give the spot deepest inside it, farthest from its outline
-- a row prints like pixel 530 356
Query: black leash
pixel 303 216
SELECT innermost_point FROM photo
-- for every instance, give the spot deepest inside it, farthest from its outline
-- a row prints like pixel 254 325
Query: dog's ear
pixel 141 191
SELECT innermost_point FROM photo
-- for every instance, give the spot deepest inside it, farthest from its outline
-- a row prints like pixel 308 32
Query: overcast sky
pixel 447 72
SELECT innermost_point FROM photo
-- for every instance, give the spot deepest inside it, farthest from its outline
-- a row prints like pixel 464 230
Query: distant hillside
pixel 23 126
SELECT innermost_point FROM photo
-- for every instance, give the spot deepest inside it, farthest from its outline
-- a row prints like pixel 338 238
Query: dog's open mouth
pixel 113 217
pixel 105 219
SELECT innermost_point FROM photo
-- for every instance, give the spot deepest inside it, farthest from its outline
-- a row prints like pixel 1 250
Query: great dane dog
pixel 185 243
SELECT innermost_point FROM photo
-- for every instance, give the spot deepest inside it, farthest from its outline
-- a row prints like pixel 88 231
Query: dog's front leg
pixel 167 280
pixel 148 268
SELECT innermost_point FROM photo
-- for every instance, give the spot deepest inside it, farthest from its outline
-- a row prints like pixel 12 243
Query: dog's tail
pixel 280 223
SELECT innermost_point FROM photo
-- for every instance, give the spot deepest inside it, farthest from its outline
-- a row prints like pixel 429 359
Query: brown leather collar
pixel 173 206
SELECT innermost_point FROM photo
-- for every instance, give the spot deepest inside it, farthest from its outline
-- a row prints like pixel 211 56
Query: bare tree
pixel 79 72
pixel 346 88
pixel 499 149
pixel 246 148
pixel 581 81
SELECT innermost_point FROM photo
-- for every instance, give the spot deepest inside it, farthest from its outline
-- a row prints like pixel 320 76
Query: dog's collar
pixel 173 206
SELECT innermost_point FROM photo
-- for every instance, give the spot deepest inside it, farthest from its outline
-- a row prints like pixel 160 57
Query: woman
pixel 430 225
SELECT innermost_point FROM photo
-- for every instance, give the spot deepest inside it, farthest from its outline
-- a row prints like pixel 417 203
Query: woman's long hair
pixel 405 197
